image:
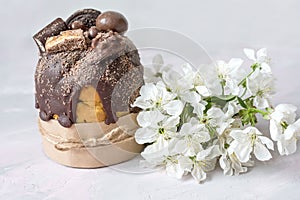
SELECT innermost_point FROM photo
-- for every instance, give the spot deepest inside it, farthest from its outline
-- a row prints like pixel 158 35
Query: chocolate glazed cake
pixel 87 76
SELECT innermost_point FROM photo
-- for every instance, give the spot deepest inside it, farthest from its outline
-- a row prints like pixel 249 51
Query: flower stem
pixel 244 82
pixel 263 113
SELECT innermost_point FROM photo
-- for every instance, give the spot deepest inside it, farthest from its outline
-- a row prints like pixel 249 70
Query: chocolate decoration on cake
pixel 78 80
pixel 111 20
pixel 54 28
pixel 93 32
pixel 86 17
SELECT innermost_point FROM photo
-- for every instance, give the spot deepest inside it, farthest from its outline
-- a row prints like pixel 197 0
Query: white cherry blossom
pixel 192 118
pixel 229 75
pixel 283 115
pixel 154 124
pixel 156 96
pixel 231 165
pixel 217 119
pixel 250 140
pixel 178 82
pixel 287 142
pixel 177 166
pixel 197 80
pixel 198 109
pixel 205 162
pixel 283 128
pixel 156 153
pixel 190 138
pixel 153 73
pixel 261 87
pixel 260 58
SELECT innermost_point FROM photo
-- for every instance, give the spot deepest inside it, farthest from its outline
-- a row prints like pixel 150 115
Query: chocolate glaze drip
pixel 113 67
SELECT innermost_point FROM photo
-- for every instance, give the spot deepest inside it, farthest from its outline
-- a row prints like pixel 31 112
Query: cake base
pixel 90 145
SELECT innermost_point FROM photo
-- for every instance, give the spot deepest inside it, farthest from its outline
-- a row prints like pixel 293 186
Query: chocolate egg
pixel 93 31
pixel 77 25
pixel 111 20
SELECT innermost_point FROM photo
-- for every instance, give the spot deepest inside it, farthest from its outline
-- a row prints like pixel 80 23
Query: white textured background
pixel 223 28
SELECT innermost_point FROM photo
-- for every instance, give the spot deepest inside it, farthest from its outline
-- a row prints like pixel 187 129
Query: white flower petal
pixel 171 122
pixel 149 118
pixel 252 130
pixel 287 147
pixel 140 102
pixel 261 54
pixel 275 130
pixel 187 69
pixel 237 165
pixel 267 142
pixel 209 165
pixel 250 54
pixel 225 164
pixel 215 112
pixel 186 129
pixel 198 109
pixel 261 152
pixel 180 146
pixel 242 151
pixel 145 135
pixel 209 153
pixel 198 174
pixel 261 102
pixel 191 97
pixel 174 107
pixel 265 68
pixel 203 90
pixel 174 170
pixel 285 112
pixel 239 135
pixel 157 62
pixel 235 63
pixel 292 130
pixel 185 163
pixel 148 91
pixel 149 75
pixel 156 152
pixel 202 136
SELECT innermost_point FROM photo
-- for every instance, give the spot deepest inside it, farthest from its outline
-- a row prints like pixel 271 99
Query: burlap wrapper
pixel 90 145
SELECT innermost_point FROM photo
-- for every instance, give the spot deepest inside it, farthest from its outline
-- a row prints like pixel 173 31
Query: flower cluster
pixel 192 120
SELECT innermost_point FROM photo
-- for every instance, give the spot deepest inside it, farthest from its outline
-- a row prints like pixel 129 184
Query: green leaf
pixel 242 103
pixel 222 99
pixel 208 106
pixel 186 114
pixel 227 97
pixel 218 101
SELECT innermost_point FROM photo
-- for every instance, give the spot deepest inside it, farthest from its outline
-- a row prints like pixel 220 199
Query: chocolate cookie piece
pixel 54 28
pixel 86 16
pixel 67 41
